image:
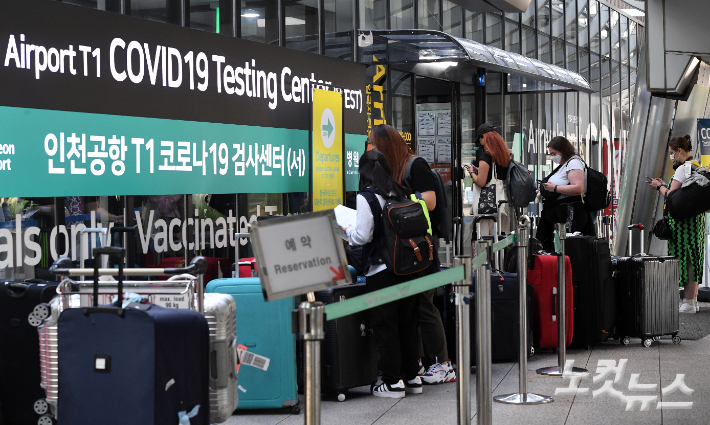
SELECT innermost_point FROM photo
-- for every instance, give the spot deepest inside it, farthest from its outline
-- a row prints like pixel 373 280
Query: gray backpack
pixel 520 185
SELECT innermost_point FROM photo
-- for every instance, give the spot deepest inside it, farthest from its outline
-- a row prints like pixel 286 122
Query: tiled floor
pixel 660 364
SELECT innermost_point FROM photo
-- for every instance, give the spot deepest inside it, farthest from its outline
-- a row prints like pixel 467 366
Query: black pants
pixel 395 327
pixel 575 216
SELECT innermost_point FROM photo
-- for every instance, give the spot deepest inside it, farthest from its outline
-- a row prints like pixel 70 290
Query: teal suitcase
pixel 265 329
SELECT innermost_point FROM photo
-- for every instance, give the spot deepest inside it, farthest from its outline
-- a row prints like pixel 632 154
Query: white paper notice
pixel 443 122
pixel 345 216
pixel 443 150
pixel 426 123
pixel 426 150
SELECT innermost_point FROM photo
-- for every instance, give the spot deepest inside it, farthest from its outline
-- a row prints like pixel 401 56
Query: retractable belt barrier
pixel 403 290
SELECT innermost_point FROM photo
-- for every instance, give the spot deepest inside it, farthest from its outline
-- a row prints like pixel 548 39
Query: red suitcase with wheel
pixel 543 277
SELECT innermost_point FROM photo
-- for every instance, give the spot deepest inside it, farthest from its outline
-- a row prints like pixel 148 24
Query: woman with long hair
pixel 394 324
pixel 494 161
pixel 436 367
pixel 687 242
pixel 562 191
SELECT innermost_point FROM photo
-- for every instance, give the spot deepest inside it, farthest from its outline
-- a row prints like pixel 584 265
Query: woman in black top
pixel 495 152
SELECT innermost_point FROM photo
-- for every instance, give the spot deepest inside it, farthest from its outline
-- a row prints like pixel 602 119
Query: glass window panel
pixel 633 52
pixel 512 121
pixel 494 109
pixel 559 52
pixel 529 42
pixel 515 17
pixel 474 26
pixel 402 114
pixel 453 16
pixel 584 127
pixel 530 127
pixel 571 57
pixel 605 32
pixel 572 122
pixel 543 16
pixel 583 64
pixel 557 18
pixel 372 14
pixel 559 118
pixel 338 27
pixel 149 9
pixel 428 14
pixel 544 51
pixel 512 37
pixel 528 18
pixel 259 21
pixel 302 25
pixel 624 40
pixel 595 72
pixel 582 23
pixel 203 15
pixel 606 76
pixel 571 20
pixel 493 31
pixel 402 14
pixel 594 38
pixel 614 36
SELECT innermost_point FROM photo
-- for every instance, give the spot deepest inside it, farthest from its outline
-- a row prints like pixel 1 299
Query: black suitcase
pixel 349 350
pixel 141 365
pixel 19 349
pixel 646 295
pixel 505 318
pixel 594 290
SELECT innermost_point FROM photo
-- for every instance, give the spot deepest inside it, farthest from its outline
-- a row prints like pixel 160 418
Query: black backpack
pixel 441 221
pixel 406 246
pixel 520 185
pixel 598 196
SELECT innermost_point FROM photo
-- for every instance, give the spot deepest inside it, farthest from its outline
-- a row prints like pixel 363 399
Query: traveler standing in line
pixel 687 242
pixel 562 192
pixel 386 139
pixel 394 324
pixel 495 152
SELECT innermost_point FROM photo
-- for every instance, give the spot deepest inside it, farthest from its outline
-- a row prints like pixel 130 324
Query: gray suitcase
pixel 647 298
pixel 221 314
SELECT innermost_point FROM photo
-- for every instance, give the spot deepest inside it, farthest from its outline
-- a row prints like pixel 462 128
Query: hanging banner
pixel 327 147
pixel 97 103
pixel 704 140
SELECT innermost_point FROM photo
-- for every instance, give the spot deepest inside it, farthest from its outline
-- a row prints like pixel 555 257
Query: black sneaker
pixel 413 386
pixel 389 391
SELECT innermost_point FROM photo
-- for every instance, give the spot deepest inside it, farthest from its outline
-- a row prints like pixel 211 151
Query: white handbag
pixel 485 199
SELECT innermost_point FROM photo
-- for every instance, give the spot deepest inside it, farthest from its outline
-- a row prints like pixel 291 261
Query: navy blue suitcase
pixel 142 365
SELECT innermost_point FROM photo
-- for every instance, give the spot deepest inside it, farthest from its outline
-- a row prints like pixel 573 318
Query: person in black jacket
pixel 386 139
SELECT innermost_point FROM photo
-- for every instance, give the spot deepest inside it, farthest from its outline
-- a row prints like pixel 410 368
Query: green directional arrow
pixel 328 128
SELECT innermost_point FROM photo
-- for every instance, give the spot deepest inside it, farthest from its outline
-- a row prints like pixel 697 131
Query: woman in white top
pixel 394 324
pixel 687 242
pixel 562 192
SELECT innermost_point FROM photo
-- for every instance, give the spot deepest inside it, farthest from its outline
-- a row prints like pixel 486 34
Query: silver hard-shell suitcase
pixel 221 313
pixel 647 297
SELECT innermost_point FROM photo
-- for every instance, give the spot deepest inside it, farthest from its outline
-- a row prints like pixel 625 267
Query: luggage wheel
pixel 647 342
pixel 41 407
pixel 625 340
pixel 45 420
pixel 532 351
pixel 657 338
pixel 341 397
pixel 676 339
pixel 296 409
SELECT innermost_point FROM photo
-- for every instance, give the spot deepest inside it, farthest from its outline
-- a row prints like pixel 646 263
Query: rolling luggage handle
pixel 98 253
pixel 631 227
pixel 123 230
pixel 63 267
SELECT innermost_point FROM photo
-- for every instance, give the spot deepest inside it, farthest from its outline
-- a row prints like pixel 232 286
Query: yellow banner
pixel 327 161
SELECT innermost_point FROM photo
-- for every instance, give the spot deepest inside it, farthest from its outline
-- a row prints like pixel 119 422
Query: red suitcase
pixel 543 278
pixel 247 267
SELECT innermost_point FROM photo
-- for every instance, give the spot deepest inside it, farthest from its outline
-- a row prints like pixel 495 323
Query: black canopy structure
pixel 440 55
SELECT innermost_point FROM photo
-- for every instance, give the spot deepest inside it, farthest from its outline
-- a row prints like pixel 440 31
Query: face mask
pixel 556 159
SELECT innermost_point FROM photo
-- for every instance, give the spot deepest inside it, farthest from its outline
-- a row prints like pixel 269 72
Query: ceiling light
pixel 604 33
pixel 250 14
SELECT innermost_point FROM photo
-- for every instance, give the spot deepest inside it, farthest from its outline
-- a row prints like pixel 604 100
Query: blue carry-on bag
pixel 139 364
pixel 264 328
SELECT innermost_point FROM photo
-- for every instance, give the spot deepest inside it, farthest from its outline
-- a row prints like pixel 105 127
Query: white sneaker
pixel 697 305
pixel 413 386
pixel 389 391
pixel 439 373
pixel 686 307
